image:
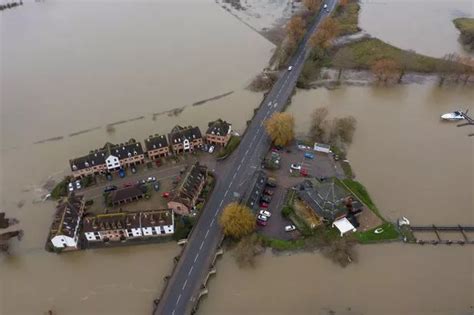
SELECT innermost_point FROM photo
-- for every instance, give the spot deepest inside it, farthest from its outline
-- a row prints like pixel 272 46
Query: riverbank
pixel 466 27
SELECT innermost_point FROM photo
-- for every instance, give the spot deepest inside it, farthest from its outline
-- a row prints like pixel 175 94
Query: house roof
pixel 127 220
pixel 188 188
pixel 218 127
pixel 126 150
pixel 156 142
pixel 344 225
pixel 127 193
pixel 178 134
pixel 327 199
pixel 68 215
pixel 255 188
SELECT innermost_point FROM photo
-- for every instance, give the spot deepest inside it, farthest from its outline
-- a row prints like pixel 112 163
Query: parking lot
pixel 321 166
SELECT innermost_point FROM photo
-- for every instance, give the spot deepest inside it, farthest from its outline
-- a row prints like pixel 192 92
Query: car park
pixel 295 166
pixel 266 198
pixel 265 213
pixel 151 179
pixel 110 188
pixel 308 155
pixel 290 228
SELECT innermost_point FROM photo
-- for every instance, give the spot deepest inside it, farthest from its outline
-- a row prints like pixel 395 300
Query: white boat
pixel 453 116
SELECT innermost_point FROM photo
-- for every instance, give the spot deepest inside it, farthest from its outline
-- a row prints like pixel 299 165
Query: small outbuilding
pixel 344 226
pixel 321 147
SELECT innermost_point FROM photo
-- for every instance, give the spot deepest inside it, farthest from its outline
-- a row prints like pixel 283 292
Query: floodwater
pixel 71 66
pixel 424 26
pixel 413 165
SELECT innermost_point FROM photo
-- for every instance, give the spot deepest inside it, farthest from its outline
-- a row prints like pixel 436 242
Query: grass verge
pixel 233 143
pixel 348 17
pixel 361 193
pixel 388 232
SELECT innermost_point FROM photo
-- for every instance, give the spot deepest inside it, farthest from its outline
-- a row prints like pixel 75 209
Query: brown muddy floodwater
pixel 70 66
pixel 422 25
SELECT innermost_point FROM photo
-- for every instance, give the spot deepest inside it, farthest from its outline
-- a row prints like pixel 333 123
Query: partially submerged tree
pixel 343 129
pixel 343 59
pixel 312 5
pixel 296 28
pixel 319 125
pixel 328 30
pixel 280 128
pixel 385 69
pixel 247 249
pixel 237 220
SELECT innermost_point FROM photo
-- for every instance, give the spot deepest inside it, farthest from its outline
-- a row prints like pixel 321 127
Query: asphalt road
pixel 185 283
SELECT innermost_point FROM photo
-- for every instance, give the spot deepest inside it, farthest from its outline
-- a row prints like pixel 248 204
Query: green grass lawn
pixel 233 143
pixel 390 232
pixel 361 193
pixel 465 24
pixel 365 52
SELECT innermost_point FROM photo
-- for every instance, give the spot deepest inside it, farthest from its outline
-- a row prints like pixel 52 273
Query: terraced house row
pixel 113 157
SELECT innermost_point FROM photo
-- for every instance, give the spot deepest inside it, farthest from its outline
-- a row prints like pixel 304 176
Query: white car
pixel 265 213
pixel 262 218
pixel 290 228
pixel 70 187
pixel 151 179
pixel 325 7
pixel 211 149
pixel 290 68
pixel 303 147
pixel 78 184
pixel 295 166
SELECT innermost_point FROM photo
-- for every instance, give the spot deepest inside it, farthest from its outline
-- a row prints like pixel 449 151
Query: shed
pixel 344 226
pixel 321 147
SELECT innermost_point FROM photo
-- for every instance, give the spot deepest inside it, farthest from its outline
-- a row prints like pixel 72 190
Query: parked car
pixel 290 228
pixel 304 172
pixel 77 183
pixel 271 182
pixel 265 213
pixel 70 187
pixel 156 186
pixel 290 68
pixel 309 155
pixel 109 176
pixel 263 204
pixel 122 173
pixel 151 179
pixel 158 163
pixel 127 185
pixel 165 195
pixel 133 169
pixel 110 188
pixel 266 198
pixel 295 166
pixel 268 192
pixel 262 220
pixel 141 181
pixel 303 147
pixel 211 149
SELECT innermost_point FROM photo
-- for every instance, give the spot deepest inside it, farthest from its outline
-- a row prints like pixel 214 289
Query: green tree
pixel 237 220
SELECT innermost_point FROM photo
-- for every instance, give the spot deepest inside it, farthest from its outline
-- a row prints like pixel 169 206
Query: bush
pixel 247 249
pixel 233 143
pixel 183 227
pixel 287 211
pixel 60 190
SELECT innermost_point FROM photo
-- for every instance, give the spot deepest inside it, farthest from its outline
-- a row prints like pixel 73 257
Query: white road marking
pixel 212 222
pixel 220 205
pixel 196 257
pixel 190 270
pixel 172 313
pixel 235 174
pixel 179 298
pixel 207 232
pixel 238 168
pixel 184 285
pixel 200 247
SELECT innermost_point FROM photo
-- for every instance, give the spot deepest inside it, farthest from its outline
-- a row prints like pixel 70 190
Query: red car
pixel 127 185
pixel 263 204
pixel 268 192
pixel 165 195
pixel 304 172
pixel 261 223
